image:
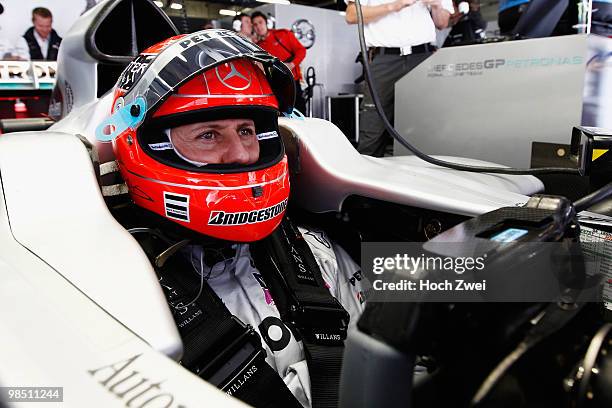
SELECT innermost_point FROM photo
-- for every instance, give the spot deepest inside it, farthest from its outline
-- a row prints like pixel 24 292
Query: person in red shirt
pixel 283 45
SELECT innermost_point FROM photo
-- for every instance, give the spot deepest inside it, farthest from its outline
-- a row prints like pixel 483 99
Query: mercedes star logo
pixel 233 79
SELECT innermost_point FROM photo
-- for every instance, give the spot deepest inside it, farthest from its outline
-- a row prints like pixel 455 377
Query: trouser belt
pixel 416 49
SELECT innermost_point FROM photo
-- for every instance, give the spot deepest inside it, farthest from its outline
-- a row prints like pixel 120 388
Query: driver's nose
pixel 235 152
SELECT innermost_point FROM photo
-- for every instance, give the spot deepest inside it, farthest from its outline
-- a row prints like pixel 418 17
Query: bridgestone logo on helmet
pixel 250 217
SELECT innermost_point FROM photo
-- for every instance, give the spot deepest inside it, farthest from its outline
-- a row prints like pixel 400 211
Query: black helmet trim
pixel 271 149
pixel 156 77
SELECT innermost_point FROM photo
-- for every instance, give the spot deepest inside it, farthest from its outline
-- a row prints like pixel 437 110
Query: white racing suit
pixel 244 292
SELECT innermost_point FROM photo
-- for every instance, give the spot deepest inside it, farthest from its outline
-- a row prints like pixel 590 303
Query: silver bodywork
pixel 79 300
pixel 77 70
pixel 54 333
pixel 332 170
pixel 491 101
pixel 76 291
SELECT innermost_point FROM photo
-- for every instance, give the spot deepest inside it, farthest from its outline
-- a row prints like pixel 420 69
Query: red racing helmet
pixel 205 76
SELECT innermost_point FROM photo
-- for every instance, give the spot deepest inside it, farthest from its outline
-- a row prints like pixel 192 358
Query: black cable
pixel 545 324
pixel 311 80
pixel 419 154
pixel 594 198
pixel 589 361
pixel 184 20
pixel 311 77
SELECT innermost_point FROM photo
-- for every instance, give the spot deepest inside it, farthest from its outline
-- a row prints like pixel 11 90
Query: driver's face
pixel 218 142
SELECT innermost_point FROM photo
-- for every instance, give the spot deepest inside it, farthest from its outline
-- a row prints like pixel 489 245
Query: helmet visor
pixel 155 141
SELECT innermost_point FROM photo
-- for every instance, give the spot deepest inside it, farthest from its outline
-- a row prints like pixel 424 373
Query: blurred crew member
pixel 283 45
pixel 510 11
pixel 399 36
pixel 602 17
pixel 242 25
pixel 467 22
pixel 41 38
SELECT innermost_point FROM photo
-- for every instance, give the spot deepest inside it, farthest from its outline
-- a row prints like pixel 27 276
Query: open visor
pixel 156 77
pixel 154 140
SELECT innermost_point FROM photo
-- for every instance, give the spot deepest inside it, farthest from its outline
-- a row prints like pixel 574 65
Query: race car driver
pixel 194 130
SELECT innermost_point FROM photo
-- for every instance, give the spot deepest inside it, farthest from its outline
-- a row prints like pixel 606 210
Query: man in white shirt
pixel 399 34
pixel 262 306
pixel 41 39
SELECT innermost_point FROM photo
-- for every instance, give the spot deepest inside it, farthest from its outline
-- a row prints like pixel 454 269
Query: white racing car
pixel 81 307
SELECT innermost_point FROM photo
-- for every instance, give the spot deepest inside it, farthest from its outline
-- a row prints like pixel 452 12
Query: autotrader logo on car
pixel 135 387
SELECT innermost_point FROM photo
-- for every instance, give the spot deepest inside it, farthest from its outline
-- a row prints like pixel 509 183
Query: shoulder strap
pixel 305 304
pixel 219 347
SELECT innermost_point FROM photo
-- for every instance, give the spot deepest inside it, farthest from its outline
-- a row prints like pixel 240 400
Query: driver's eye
pixel 246 131
pixel 207 136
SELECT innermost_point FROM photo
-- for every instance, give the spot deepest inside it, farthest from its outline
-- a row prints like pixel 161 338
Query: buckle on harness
pixel 324 325
pixel 238 356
